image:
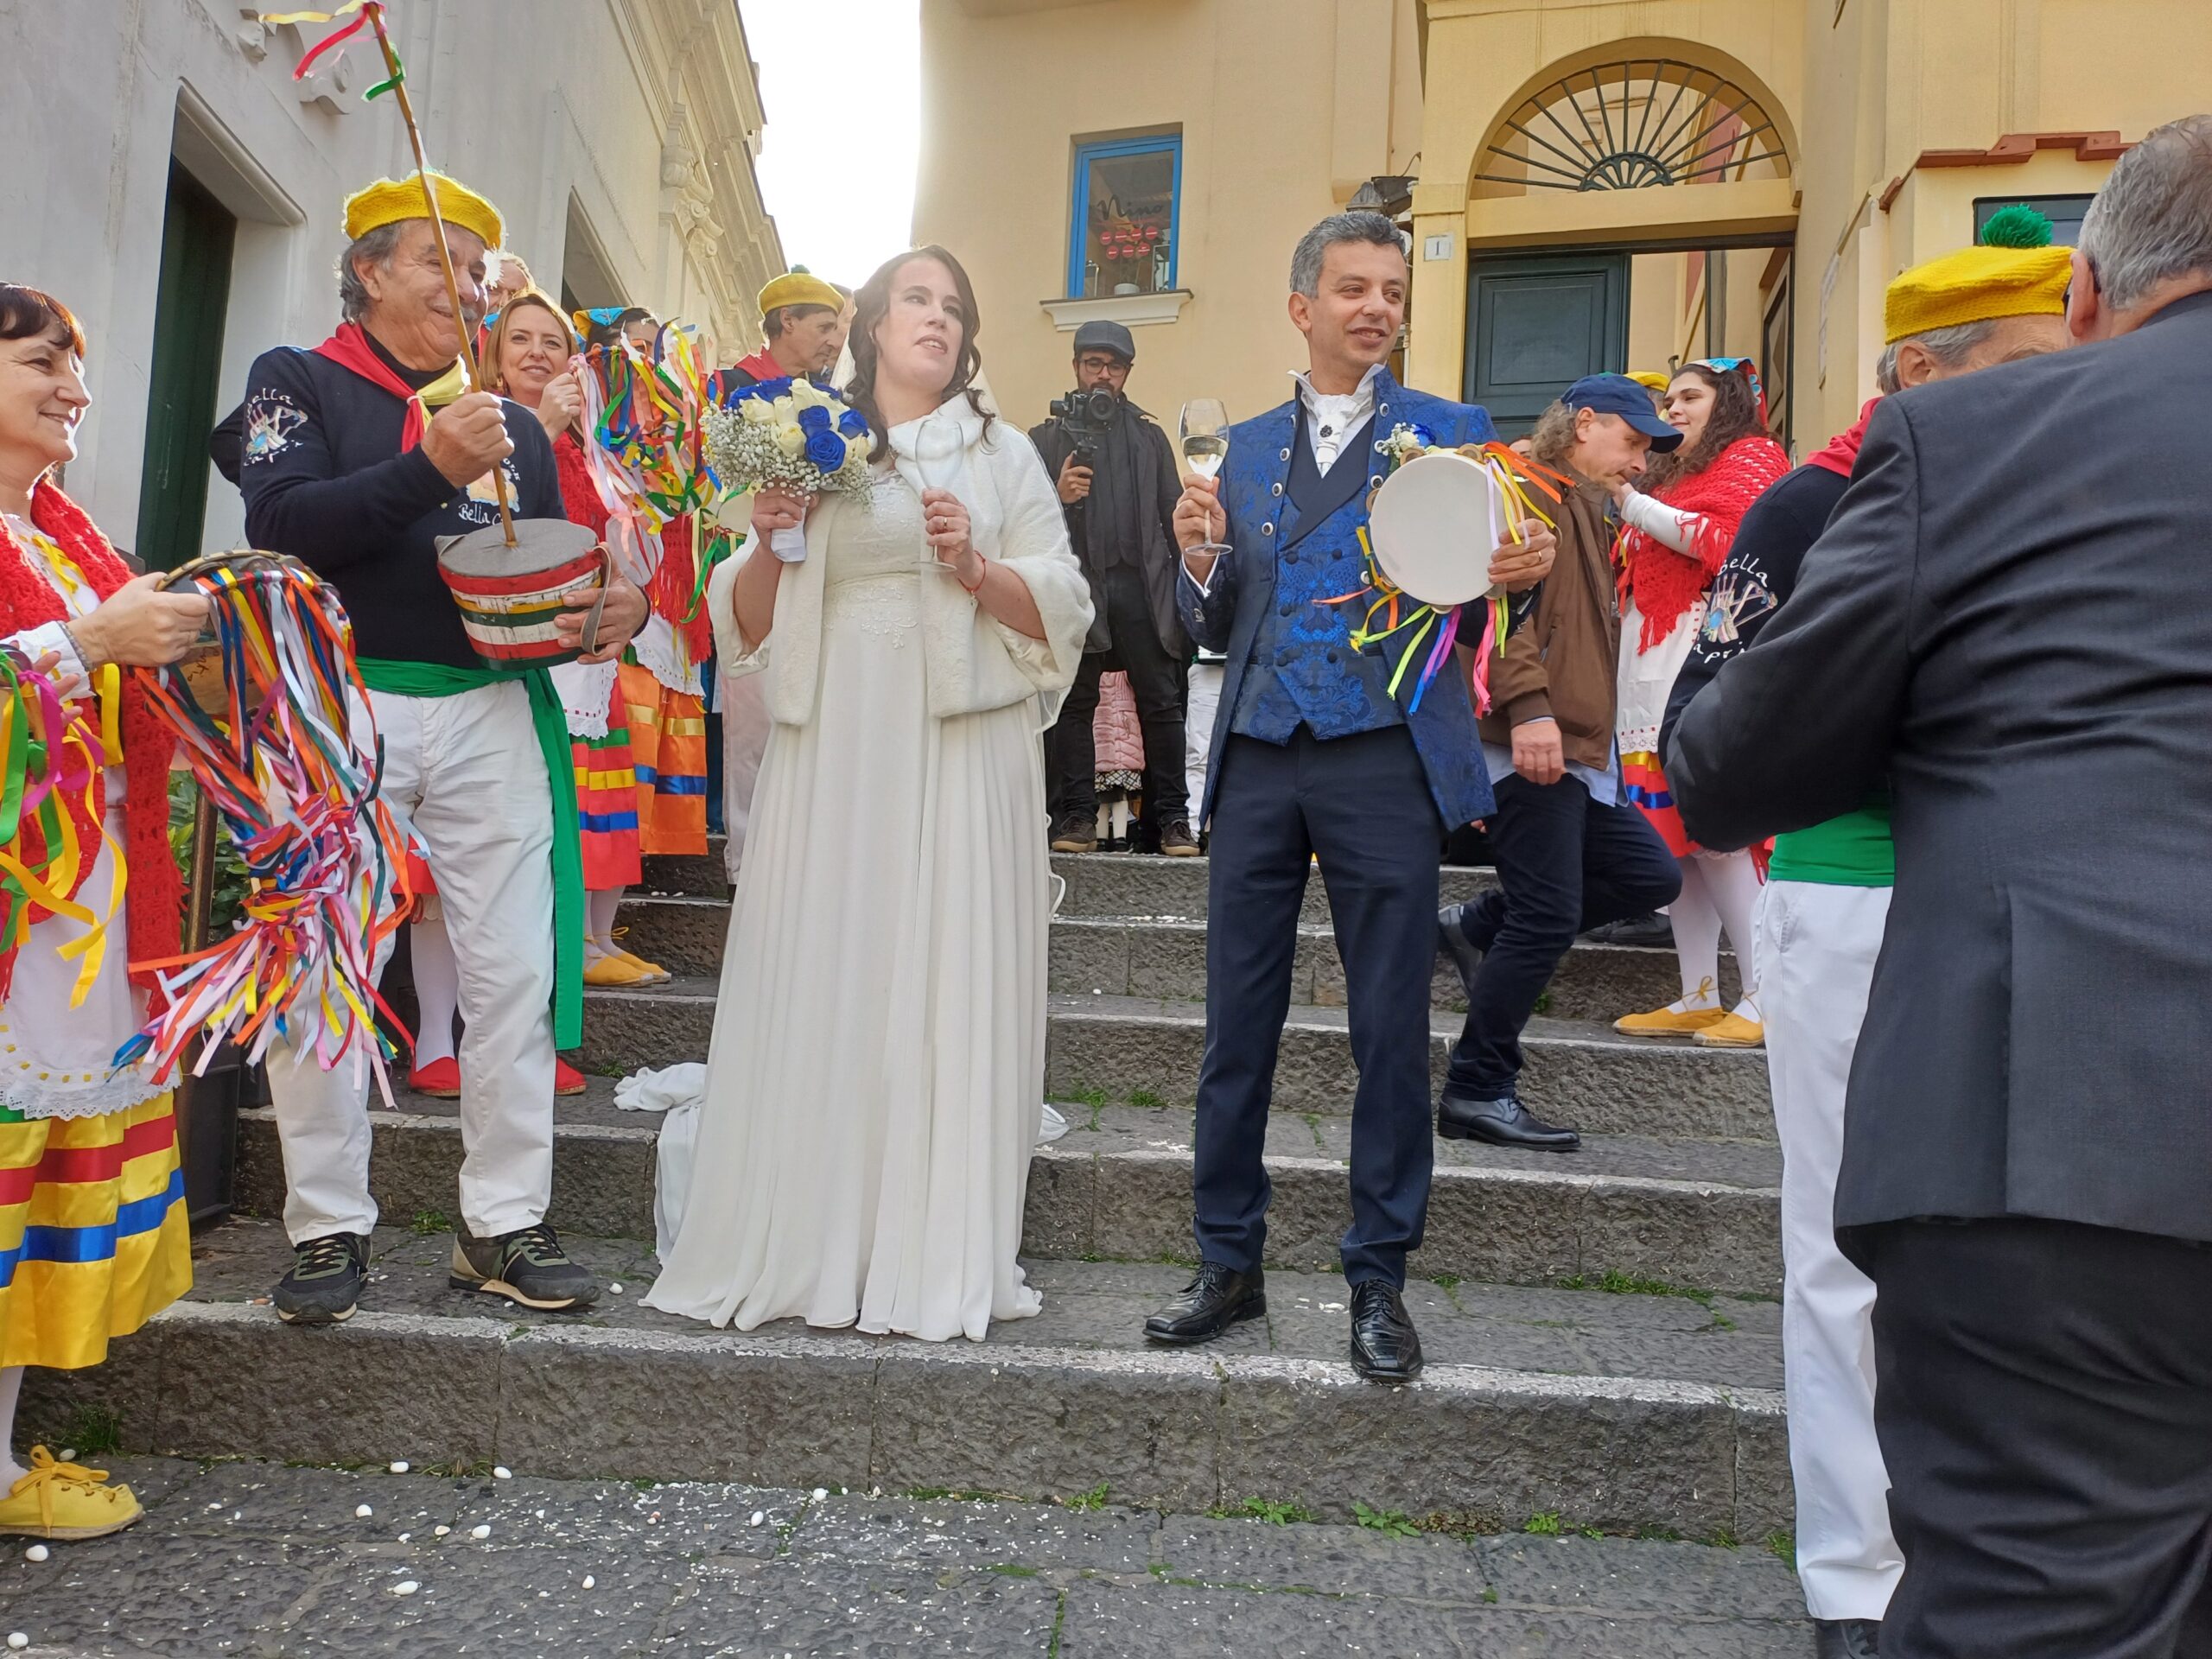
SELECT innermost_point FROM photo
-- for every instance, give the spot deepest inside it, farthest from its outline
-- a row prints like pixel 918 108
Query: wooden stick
pixel 375 11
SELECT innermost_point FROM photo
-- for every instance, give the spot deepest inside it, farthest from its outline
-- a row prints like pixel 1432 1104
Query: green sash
pixel 437 680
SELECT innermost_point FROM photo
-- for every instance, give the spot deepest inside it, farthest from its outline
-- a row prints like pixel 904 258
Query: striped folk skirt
pixel 606 801
pixel 668 752
pixel 93 1236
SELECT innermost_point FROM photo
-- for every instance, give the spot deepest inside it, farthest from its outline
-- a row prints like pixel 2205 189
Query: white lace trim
pixel 585 690
pixel 659 653
pixel 126 1089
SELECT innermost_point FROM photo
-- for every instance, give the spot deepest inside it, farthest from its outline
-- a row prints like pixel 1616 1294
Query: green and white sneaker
pixel 527 1267
pixel 325 1282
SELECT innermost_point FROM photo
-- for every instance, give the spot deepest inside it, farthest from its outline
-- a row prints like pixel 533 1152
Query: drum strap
pixel 551 726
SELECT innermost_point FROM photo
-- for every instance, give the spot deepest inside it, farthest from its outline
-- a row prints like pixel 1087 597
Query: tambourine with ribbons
pixel 276 728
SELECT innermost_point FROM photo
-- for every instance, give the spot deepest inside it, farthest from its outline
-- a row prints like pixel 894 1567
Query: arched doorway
pixel 1625 206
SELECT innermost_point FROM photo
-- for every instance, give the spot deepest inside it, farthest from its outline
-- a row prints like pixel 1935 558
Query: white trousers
pixel 1816 951
pixel 467 770
pixel 1205 697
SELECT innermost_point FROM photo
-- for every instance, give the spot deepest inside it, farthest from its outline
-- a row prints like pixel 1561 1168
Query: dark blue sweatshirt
pixel 324 481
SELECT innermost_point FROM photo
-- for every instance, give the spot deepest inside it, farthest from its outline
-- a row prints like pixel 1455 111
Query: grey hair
pixel 373 247
pixel 2153 220
pixel 1551 441
pixel 1951 347
pixel 1313 247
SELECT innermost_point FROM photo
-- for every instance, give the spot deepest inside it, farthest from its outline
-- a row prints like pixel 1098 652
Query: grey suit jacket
pixel 2009 617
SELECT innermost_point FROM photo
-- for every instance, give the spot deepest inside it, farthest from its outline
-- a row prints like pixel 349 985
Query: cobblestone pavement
pixel 265 1560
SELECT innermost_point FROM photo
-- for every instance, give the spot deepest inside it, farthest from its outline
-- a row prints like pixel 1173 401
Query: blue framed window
pixel 1122 230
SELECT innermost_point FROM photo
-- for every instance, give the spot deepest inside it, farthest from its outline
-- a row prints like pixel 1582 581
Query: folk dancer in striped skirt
pixel 93 1236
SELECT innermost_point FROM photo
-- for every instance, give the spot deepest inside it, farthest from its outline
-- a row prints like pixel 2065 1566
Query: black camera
pixel 1086 417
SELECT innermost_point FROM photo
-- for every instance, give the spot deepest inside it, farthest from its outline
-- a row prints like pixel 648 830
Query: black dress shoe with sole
pixel 1503 1122
pixel 1651 932
pixel 1453 941
pixel 1846 1638
pixel 1385 1347
pixel 1219 1298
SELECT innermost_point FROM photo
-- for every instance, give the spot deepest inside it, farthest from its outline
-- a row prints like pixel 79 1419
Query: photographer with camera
pixel 1116 474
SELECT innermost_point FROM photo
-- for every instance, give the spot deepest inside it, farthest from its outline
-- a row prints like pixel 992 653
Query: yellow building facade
pixel 1587 183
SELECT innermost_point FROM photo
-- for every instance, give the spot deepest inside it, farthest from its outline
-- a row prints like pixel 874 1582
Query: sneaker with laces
pixel 325 1282
pixel 1176 839
pixel 1076 834
pixel 66 1501
pixel 527 1267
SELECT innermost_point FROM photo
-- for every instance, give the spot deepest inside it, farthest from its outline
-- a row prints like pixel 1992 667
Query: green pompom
pixel 2016 226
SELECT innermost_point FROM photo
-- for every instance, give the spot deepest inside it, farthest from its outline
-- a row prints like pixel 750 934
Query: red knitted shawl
pixel 154 898
pixel 1665 583
pixel 579 495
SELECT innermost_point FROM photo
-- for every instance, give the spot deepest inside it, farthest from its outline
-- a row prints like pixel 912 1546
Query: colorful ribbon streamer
pixel 50 752
pixel 291 764
pixel 367 10
pixel 1392 611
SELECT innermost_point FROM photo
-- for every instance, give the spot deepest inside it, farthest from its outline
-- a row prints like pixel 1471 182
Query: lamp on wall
pixel 1390 195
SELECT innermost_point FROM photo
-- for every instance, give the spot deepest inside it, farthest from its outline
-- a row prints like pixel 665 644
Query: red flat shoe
pixel 440 1079
pixel 567 1080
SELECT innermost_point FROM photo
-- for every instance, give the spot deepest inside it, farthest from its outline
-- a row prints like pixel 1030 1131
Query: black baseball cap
pixel 1099 335
pixel 1616 394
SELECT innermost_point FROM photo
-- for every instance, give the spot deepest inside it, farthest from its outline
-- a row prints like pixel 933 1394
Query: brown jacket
pixel 1562 661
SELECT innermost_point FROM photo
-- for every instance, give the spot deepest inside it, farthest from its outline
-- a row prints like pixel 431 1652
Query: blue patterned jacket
pixel 1283 561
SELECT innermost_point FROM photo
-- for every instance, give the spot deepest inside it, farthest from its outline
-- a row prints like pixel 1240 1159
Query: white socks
pixel 1717 889
pixel 600 906
pixel 11 1388
pixel 437 989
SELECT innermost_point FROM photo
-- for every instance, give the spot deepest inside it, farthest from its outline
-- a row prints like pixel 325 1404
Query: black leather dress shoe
pixel 1650 930
pixel 1385 1347
pixel 1846 1638
pixel 1452 940
pixel 1219 1298
pixel 1503 1122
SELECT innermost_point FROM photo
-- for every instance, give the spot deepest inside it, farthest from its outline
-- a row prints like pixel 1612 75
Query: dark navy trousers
pixel 1363 805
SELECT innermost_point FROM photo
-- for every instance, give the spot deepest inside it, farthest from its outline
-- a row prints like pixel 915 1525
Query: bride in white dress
pixel 878 1050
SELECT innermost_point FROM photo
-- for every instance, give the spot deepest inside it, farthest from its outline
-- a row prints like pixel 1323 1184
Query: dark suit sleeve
pixel 1798 728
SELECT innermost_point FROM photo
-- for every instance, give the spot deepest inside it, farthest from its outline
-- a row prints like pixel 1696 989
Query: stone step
pixel 1142 884
pixel 700 875
pixel 1698 1214
pixel 1145 1051
pixel 1143 957
pixel 1620 1412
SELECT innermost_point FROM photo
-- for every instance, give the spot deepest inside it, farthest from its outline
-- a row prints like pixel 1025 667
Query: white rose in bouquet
pixel 790 435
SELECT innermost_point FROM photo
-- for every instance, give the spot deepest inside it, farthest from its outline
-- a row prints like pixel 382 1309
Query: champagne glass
pixel 1206 450
pixel 937 455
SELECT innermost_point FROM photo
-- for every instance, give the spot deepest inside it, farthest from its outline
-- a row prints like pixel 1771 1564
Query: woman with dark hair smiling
pixel 878 1050
pixel 93 1238
pixel 1676 538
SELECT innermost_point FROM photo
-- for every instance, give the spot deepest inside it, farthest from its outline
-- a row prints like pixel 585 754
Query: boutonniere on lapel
pixel 1437 524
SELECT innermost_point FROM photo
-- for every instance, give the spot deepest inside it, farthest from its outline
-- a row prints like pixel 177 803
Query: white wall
pixel 528 103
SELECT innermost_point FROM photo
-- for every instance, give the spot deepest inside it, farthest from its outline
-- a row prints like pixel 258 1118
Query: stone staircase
pixel 1603 1339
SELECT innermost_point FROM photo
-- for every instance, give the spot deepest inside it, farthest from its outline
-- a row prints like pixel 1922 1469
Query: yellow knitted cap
pixel 799 288
pixel 1650 379
pixel 390 200
pixel 1974 285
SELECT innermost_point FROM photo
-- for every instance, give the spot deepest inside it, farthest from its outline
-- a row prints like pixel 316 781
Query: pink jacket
pixel 1115 729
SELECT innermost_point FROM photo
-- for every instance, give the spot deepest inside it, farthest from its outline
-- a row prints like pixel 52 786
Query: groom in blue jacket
pixel 1314 755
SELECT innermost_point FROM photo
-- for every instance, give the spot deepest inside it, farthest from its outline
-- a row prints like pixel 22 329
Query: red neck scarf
pixel 349 349
pixel 1665 583
pixel 762 366
pixel 1842 453
pixel 154 900
pixel 579 495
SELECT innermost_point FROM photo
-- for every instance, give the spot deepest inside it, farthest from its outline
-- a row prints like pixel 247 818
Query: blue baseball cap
pixel 1616 394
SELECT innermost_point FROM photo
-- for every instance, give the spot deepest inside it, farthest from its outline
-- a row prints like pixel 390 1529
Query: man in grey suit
pixel 2010 618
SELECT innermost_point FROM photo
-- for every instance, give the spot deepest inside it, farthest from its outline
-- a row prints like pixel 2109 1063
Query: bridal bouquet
pixel 789 435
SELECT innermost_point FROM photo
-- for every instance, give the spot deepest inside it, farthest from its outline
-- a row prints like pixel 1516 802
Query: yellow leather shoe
pixel 654 972
pixel 1666 1022
pixel 66 1501
pixel 1734 1031
pixel 618 973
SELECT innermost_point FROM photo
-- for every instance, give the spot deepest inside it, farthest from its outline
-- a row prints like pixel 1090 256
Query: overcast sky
pixel 842 85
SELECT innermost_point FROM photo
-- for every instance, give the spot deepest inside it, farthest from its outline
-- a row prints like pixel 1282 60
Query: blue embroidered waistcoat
pixel 1294 542
pixel 1301 669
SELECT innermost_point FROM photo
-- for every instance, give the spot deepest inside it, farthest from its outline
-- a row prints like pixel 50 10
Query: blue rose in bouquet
pixel 792 436
pixel 823 447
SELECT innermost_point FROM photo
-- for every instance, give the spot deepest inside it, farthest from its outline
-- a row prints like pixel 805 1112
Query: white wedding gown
pixel 879 1048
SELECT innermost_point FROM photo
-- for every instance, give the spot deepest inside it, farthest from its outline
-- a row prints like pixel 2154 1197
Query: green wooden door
pixel 1537 323
pixel 197 233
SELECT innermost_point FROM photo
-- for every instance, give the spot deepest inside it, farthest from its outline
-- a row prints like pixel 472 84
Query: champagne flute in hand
pixel 936 458
pixel 1205 451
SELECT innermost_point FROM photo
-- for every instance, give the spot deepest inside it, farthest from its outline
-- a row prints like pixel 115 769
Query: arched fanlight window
pixel 1634 125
